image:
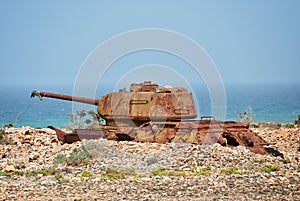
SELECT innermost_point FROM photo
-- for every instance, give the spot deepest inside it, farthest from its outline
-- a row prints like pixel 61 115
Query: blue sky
pixel 45 42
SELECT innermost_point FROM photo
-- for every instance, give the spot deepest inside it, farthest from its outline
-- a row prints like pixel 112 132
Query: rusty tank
pixel 147 113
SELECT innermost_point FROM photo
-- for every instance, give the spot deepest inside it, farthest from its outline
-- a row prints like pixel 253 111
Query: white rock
pixel 242 148
pixel 9 168
pixel 34 156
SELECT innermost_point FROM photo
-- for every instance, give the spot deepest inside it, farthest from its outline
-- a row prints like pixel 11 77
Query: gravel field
pixel 34 165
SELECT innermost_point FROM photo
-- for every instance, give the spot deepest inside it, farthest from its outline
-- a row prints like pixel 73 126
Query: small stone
pixel 242 148
pixel 9 168
pixel 201 156
pixel 27 138
pixel 37 143
pixel 34 156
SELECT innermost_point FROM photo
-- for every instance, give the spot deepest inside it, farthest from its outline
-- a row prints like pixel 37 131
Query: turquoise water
pixel 270 103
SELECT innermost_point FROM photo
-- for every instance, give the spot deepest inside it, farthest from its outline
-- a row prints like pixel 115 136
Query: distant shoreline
pixel 275 125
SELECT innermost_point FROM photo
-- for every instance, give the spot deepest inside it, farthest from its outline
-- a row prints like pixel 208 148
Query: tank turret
pixel 144 102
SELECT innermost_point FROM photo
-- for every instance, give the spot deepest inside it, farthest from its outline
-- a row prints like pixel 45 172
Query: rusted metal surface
pixel 91 101
pixel 145 102
pixel 148 113
pixel 231 134
pixel 78 134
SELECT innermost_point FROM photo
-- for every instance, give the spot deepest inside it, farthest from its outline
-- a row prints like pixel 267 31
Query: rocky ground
pixel 34 165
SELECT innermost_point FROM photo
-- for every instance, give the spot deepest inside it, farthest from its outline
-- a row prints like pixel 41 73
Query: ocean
pixel 269 103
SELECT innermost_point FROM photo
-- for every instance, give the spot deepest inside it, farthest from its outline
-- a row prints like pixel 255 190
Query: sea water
pixel 269 103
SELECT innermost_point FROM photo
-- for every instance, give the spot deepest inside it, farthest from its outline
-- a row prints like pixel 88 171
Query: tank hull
pixel 228 133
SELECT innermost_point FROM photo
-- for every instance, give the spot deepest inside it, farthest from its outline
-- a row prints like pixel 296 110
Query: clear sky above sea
pixel 45 42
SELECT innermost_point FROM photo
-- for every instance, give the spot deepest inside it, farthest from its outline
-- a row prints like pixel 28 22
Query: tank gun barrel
pixel 91 101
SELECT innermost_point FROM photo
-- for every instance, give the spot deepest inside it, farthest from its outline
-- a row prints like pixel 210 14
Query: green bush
pixel 59 177
pixel 4 174
pixel 31 173
pixel 277 126
pixel 86 174
pixel 84 119
pixel 79 156
pixel 289 125
pixel 44 172
pixel 259 160
pixel 162 172
pixel 230 170
pixel 247 117
pixel 111 174
pixel 233 170
pixel 297 121
pixel 18 173
pixel 3 137
pixel 270 168
pixel 129 171
pixel 95 147
pixel 2 134
pixel 203 171
pixel 60 158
